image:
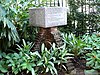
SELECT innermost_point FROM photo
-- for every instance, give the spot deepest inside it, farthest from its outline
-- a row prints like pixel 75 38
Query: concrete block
pixel 48 16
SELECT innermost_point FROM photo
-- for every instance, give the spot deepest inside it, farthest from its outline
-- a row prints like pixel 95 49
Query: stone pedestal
pixel 47 36
pixel 48 19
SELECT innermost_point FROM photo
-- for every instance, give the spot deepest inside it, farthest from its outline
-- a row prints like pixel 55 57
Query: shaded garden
pixel 81 40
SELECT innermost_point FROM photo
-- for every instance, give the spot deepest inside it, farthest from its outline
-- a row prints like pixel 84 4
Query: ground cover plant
pixel 85 47
pixel 33 63
pixel 18 59
pixel 93 59
pixel 46 60
pixel 93 50
pixel 74 44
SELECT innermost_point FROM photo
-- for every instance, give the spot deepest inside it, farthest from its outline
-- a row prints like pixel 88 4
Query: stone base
pixel 47 36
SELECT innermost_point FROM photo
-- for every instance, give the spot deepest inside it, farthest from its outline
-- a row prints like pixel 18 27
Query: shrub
pixel 34 62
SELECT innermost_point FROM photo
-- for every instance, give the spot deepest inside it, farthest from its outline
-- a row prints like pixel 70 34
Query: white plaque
pixel 48 16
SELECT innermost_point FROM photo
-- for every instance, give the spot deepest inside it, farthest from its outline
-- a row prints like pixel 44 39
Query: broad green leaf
pixel 42 47
pixel 5 22
pixel 8 57
pixel 46 60
pixel 24 65
pixel 39 63
pixel 24 43
pixel 36 53
pixel 55 70
pixel 16 55
pixel 96 64
pixel 33 72
pixel 29 67
pixel 90 63
pixel 51 63
pixel 47 69
pixel 2 69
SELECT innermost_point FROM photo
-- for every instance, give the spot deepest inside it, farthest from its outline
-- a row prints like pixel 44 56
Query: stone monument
pixel 48 19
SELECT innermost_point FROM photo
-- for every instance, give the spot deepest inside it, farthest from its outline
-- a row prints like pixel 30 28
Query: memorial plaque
pixel 48 16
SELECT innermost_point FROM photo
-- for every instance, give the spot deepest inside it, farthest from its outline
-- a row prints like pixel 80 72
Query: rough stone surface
pixel 48 16
pixel 87 72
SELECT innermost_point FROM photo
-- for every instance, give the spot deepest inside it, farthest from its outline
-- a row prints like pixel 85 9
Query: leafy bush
pixel 79 21
pixel 14 20
pixel 74 44
pixel 22 60
pixel 88 47
pixel 92 47
pixel 92 41
pixel 3 65
pixel 33 62
pixel 8 32
pixel 93 60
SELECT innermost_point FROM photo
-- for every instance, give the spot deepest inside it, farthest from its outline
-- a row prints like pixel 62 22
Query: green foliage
pixel 18 12
pixel 92 47
pixel 3 65
pixel 87 44
pixel 93 59
pixel 47 61
pixel 92 41
pixel 33 62
pixel 51 57
pixel 74 45
pixel 14 15
pixel 8 32
pixel 79 21
pixel 60 53
pixel 88 47
pixel 24 60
